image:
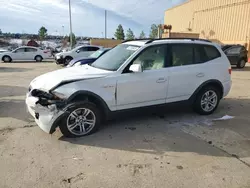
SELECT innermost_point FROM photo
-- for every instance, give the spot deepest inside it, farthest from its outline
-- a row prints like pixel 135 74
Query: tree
pixel 1 32
pixel 42 33
pixel 153 31
pixel 73 39
pixel 130 35
pixel 119 34
pixel 142 35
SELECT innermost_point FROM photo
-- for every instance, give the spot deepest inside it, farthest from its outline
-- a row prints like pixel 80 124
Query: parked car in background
pixel 80 51
pixel 134 74
pixel 3 50
pixel 25 53
pixel 88 60
pixel 237 54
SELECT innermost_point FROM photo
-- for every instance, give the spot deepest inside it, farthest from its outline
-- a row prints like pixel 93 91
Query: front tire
pixel 241 64
pixel 82 119
pixel 67 60
pixel 7 59
pixel 207 100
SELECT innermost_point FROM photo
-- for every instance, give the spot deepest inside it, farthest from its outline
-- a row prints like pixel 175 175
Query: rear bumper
pixel 226 87
pixel 45 117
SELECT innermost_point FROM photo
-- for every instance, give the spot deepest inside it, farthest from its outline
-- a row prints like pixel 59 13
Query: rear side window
pixel 182 54
pixel 211 52
pixel 199 54
pixel 30 50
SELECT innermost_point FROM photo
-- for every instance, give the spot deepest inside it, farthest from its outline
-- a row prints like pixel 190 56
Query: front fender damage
pixel 52 104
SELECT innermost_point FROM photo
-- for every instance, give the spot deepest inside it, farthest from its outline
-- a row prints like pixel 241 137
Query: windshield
pixel 114 58
pixel 96 54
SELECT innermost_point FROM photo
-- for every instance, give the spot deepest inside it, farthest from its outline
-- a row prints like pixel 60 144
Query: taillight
pixel 230 70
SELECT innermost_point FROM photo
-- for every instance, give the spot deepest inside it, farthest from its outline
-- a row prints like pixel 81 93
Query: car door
pixel 188 69
pixel 18 54
pixel 233 54
pixel 30 53
pixel 148 87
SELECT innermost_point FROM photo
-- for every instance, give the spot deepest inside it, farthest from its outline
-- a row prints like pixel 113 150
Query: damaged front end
pixel 46 108
pixel 46 99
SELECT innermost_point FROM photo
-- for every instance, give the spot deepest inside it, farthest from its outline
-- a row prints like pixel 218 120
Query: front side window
pixel 20 50
pixel 152 57
pixel 182 54
pixel 82 49
pixel 115 57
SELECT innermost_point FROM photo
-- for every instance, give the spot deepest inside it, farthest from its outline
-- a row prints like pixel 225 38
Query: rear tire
pixel 38 58
pixel 207 100
pixel 241 64
pixel 82 119
pixel 7 59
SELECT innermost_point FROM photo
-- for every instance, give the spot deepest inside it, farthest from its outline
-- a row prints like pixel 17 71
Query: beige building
pixel 224 21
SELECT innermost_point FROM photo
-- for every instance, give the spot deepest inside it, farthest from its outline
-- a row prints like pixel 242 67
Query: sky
pixel 27 16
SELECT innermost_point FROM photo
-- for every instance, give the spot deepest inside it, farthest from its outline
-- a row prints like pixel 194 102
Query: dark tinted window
pixel 82 49
pixel 211 53
pixel 30 50
pixel 234 50
pixel 199 54
pixel 182 54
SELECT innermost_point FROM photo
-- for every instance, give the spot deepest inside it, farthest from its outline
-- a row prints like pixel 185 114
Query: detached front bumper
pixel 46 117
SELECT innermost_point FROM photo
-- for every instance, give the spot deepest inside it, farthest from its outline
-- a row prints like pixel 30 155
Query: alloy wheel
pixel 209 101
pixel 81 121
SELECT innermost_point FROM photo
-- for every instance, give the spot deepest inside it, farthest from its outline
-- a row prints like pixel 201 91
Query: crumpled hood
pixel 49 80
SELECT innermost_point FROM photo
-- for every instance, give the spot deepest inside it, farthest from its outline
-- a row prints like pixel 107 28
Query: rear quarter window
pixel 211 53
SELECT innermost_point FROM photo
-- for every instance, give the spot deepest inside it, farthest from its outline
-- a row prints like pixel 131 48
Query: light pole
pixel 70 21
pixel 105 24
pixel 63 30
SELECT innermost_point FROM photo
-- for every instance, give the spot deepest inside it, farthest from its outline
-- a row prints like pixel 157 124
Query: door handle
pixel 160 80
pixel 200 74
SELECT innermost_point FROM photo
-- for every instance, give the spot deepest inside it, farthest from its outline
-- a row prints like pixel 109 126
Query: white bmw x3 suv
pixel 134 74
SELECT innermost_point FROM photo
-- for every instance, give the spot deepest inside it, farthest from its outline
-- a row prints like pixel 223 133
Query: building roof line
pixel 187 1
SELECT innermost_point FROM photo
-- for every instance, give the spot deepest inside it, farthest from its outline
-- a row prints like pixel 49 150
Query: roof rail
pixel 192 39
pixel 146 39
pixel 150 40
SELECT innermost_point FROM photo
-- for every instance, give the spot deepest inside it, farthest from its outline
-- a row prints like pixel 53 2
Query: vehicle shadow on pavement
pixel 10 91
pixel 14 109
pixel 175 129
pixel 13 69
pixel 12 102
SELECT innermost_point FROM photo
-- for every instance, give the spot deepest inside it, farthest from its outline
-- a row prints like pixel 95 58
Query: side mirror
pixel 135 68
pixel 77 51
